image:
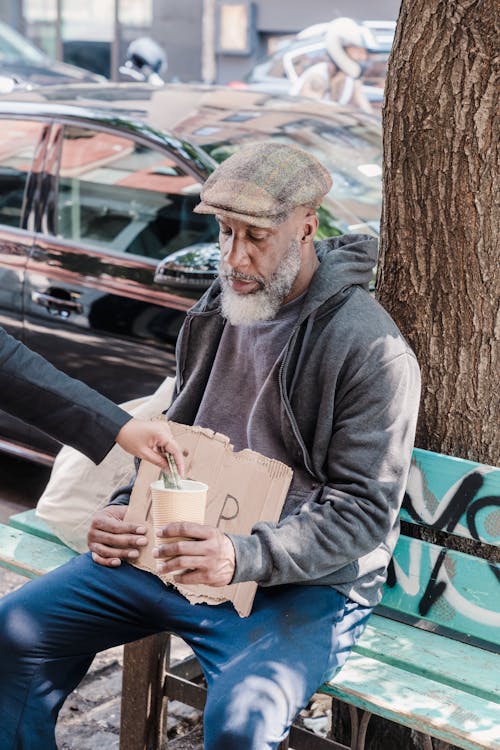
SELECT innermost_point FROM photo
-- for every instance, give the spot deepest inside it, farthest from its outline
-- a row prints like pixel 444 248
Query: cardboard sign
pixel 244 488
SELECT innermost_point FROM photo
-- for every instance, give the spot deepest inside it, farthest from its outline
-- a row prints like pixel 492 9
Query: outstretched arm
pixel 68 410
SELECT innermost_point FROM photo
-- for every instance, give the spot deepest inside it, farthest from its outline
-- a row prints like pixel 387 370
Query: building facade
pixel 216 41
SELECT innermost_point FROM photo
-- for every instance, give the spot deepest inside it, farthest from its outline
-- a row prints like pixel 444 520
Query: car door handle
pixel 57 305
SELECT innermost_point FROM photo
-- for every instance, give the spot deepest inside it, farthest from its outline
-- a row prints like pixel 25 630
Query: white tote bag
pixel 77 487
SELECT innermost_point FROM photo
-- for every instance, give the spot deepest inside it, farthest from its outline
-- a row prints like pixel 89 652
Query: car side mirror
pixel 194 267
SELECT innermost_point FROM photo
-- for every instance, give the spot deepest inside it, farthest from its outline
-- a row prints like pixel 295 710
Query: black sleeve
pixel 66 409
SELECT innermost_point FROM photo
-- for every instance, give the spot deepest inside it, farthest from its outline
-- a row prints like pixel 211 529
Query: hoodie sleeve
pixel 368 462
pixel 64 408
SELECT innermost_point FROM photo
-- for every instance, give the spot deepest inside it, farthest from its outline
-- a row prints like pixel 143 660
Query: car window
pixel 119 194
pixel 18 143
pixel 376 70
pixel 276 69
pixel 16 49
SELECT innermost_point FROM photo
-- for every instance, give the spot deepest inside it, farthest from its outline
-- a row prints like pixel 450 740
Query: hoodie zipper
pixel 288 410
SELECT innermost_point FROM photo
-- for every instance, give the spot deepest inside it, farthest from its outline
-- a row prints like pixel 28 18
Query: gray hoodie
pixel 349 387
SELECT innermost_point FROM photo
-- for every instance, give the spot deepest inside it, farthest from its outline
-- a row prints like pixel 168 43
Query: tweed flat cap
pixel 263 183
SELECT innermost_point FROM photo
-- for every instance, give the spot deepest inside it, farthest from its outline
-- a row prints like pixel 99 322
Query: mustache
pixel 240 276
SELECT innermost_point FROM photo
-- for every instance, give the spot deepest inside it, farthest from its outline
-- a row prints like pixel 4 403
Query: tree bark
pixel 439 265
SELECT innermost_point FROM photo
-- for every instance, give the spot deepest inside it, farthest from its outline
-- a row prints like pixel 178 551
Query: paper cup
pixel 185 504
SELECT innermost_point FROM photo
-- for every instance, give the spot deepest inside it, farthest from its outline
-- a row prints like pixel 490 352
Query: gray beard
pixel 244 309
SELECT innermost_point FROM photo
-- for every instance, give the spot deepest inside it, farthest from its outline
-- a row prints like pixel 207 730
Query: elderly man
pixel 289 355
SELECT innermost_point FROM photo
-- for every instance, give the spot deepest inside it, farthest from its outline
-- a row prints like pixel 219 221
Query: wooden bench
pixel 429 657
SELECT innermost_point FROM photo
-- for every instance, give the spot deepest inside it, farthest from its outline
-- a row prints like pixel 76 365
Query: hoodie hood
pixel 346 261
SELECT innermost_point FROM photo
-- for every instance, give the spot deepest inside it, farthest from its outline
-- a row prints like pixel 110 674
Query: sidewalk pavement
pixel 90 717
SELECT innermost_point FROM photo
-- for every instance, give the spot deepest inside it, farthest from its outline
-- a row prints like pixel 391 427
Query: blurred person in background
pixel 340 78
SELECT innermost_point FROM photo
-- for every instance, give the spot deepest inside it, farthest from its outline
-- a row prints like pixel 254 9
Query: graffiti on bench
pixel 461 498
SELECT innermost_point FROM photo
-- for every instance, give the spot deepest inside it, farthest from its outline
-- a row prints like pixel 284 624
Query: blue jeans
pixel 260 670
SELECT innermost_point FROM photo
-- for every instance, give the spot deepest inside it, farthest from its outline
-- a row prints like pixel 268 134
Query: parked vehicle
pixel 22 65
pixel 280 71
pixel 100 251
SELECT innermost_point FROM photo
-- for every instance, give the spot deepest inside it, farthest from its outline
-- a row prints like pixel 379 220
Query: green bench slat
pixel 30 556
pixel 29 521
pixel 469 603
pixel 444 712
pixel 437 483
pixel 430 655
pixel 386 640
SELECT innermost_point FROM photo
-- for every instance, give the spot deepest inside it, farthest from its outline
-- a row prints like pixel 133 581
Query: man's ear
pixel 310 225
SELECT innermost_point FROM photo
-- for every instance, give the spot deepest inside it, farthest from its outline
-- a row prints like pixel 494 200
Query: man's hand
pixel 206 557
pixel 111 539
pixel 150 440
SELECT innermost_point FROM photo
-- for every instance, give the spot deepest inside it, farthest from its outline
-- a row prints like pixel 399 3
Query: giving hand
pixel 151 440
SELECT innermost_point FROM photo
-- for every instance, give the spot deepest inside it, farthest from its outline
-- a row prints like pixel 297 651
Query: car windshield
pixel 15 49
pixel 352 153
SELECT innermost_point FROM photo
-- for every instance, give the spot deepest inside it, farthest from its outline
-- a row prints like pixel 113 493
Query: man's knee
pixel 19 628
pixel 253 715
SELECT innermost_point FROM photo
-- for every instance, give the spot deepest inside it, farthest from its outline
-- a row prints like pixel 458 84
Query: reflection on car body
pixel 100 251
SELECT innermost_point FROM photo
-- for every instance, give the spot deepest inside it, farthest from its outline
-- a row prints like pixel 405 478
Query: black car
pixel 100 251
pixel 22 65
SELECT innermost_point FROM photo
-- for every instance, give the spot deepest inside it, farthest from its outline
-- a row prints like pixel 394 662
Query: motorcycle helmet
pixel 343 33
pixel 146 55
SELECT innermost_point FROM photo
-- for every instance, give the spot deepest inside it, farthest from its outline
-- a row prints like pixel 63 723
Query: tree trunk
pixel 439 265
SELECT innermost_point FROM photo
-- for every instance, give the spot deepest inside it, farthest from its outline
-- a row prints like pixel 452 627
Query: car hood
pixel 46 74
